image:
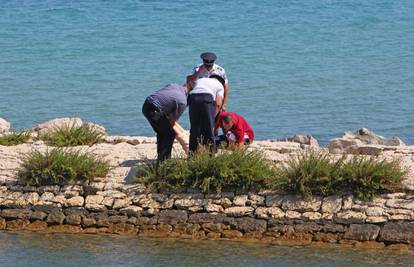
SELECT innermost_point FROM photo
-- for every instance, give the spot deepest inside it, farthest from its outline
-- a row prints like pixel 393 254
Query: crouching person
pixel 236 130
pixel 162 109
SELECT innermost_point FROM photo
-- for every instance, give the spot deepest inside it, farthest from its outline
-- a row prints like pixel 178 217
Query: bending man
pixel 204 103
pixel 162 109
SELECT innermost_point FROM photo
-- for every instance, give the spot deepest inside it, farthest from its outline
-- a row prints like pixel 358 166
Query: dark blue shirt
pixel 171 100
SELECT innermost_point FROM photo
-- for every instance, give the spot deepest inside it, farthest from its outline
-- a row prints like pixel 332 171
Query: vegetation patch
pixel 310 173
pixel 368 177
pixel 315 173
pixel 59 166
pixel 73 135
pixel 306 174
pixel 242 169
pixel 14 138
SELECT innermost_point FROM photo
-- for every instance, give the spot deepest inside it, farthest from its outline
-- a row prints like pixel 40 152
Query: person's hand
pixel 224 107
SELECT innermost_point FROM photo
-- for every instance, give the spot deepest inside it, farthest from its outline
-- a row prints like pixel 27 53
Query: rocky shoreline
pixel 114 204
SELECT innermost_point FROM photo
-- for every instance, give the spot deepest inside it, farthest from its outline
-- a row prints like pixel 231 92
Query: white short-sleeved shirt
pixel 216 69
pixel 208 86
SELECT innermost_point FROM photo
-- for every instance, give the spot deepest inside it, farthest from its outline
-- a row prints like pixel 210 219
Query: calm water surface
pixel 314 66
pixel 34 249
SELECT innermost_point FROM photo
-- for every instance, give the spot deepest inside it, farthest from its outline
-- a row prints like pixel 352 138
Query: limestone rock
pixel 397 232
pixel 351 142
pixel 94 203
pixel 50 126
pixel 31 197
pixel 173 216
pixel 232 234
pixel 350 217
pixel 121 203
pixel 247 225
pixel 213 227
pixel 47 196
pixel 16 213
pixel 331 204
pixel 4 126
pixel 304 140
pixel 299 204
pixel 400 203
pixel 56 217
pixel 73 219
pixel 206 217
pixel 256 200
pixel 272 212
pixel 238 211
pixel 75 202
pixel 311 216
pixel 292 215
pixel 38 215
pixel 240 200
pixel 131 210
pixel 214 208
pixel 374 211
pixel 362 232
pixel 376 219
pixel 186 203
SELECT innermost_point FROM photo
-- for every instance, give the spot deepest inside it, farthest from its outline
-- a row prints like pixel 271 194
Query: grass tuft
pixel 59 166
pixel 73 135
pixel 14 138
pixel 242 169
pixel 369 177
pixel 310 173
pixel 315 173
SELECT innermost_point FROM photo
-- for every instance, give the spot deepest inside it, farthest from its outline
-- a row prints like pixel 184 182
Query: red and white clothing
pixel 241 129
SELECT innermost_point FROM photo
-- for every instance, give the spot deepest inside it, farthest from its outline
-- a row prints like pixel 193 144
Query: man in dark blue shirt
pixel 162 109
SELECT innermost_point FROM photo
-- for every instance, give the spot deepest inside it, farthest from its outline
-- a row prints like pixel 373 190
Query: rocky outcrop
pixel 363 142
pixel 4 126
pixel 52 125
pixel 307 140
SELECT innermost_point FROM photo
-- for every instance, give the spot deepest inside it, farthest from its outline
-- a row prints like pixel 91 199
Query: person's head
pixel 208 59
pixel 227 122
pixel 218 78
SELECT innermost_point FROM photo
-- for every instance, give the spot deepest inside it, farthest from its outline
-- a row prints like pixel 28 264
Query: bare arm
pixel 193 77
pixel 226 92
pixel 218 104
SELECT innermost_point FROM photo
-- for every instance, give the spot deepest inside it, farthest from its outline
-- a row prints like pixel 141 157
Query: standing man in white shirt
pixel 205 70
pixel 204 102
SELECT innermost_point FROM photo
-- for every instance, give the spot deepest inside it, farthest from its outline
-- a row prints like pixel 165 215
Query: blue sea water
pixel 316 67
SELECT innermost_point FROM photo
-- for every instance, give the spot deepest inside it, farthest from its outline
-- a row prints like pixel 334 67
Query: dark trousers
pixel 202 110
pixel 161 125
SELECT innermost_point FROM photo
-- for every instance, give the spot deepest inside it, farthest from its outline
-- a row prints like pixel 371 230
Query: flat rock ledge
pixel 264 216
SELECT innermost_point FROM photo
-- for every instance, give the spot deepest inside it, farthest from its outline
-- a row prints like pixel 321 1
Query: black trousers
pixel 161 125
pixel 202 110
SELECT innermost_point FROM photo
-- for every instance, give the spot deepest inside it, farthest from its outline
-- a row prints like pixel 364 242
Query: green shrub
pixel 315 173
pixel 310 173
pixel 14 138
pixel 368 177
pixel 60 166
pixel 241 169
pixel 72 135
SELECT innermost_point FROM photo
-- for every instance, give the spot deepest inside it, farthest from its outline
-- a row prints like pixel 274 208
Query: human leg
pixel 195 126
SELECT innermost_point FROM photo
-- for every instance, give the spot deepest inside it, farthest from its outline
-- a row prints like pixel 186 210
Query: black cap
pixel 208 57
